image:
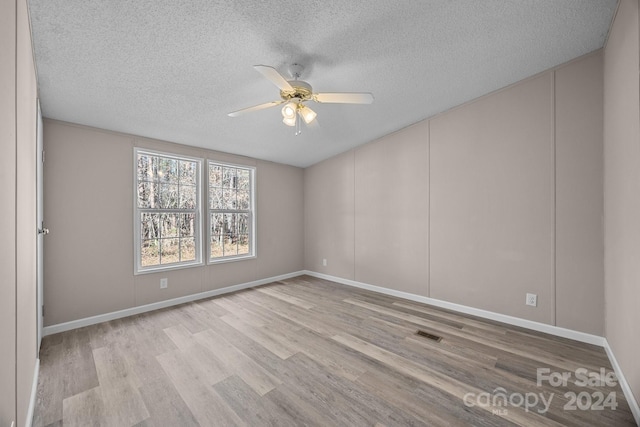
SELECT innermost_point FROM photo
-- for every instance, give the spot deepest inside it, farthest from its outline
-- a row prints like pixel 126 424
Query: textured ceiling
pixel 172 70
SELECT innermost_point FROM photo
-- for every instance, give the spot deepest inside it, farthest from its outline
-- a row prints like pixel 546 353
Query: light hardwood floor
pixel 311 352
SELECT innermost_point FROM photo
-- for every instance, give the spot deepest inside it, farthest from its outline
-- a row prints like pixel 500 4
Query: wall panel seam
pixel 353 188
pixel 15 220
pixel 554 243
pixel 428 208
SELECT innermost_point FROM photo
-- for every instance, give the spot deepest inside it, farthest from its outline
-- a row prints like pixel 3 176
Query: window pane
pixel 169 251
pixel 167 170
pixel 243 179
pixel 187 225
pixel 147 195
pixel 216 246
pixel 188 172
pixel 243 223
pixel 243 244
pixel 228 177
pixel 243 200
pixel 215 176
pixel 215 198
pixel 169 225
pixel 217 224
pixel 229 199
pixel 168 196
pixel 149 253
pixel 150 226
pixel 230 247
pixel 187 197
pixel 230 224
pixel 147 167
pixel 187 249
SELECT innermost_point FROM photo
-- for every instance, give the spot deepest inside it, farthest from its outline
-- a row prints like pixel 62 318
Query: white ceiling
pixel 172 70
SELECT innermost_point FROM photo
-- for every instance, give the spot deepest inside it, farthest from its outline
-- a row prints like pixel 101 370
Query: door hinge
pixel 42 156
pixel 42 310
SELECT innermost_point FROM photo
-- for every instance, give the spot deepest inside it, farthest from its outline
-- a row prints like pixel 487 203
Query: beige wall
pixel 328 220
pixel 392 211
pixel 492 202
pixel 18 333
pixel 7 211
pixel 579 196
pixel 365 202
pixel 280 189
pixel 465 206
pixel 329 216
pixel 622 191
pixel 89 210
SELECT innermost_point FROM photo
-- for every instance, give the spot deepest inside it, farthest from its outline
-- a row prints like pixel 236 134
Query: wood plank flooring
pixel 307 351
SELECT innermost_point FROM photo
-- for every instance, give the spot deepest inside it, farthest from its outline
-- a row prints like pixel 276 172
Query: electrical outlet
pixel 532 300
pixel 164 283
pixel 324 262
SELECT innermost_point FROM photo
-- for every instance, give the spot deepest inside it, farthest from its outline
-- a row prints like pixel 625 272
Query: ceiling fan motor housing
pixel 301 90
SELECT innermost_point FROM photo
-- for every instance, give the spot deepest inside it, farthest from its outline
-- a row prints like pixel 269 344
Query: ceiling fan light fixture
pixel 307 114
pixel 289 111
pixel 289 121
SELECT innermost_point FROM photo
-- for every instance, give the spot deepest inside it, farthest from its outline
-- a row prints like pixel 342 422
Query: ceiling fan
pixel 294 93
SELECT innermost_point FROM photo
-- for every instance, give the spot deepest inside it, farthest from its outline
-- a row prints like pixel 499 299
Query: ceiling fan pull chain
pixel 298 128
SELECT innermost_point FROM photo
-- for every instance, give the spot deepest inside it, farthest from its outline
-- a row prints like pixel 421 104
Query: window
pixel 167 211
pixel 231 215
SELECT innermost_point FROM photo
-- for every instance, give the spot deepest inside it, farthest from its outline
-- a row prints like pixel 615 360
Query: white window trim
pixel 138 269
pixel 253 250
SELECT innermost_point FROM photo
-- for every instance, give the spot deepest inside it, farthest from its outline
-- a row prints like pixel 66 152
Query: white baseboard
pixel 633 403
pixel 87 321
pixel 511 320
pixel 34 394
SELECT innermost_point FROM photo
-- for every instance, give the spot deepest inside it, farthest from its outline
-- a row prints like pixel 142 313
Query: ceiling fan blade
pixel 255 108
pixel 344 98
pixel 275 77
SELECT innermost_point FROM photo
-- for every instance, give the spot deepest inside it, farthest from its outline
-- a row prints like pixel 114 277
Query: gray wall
pixel 18 332
pixel 89 210
pixel 479 205
pixel 622 190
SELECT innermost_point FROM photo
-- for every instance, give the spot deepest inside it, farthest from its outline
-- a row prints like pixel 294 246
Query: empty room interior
pixel 286 213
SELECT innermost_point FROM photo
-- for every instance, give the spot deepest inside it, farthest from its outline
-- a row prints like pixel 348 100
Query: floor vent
pixel 430 336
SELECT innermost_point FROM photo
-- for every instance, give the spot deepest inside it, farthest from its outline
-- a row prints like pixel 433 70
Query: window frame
pixel 137 211
pixel 251 211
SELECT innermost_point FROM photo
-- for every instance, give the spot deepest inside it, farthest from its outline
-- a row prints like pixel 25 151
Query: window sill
pixel 170 267
pixel 231 259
